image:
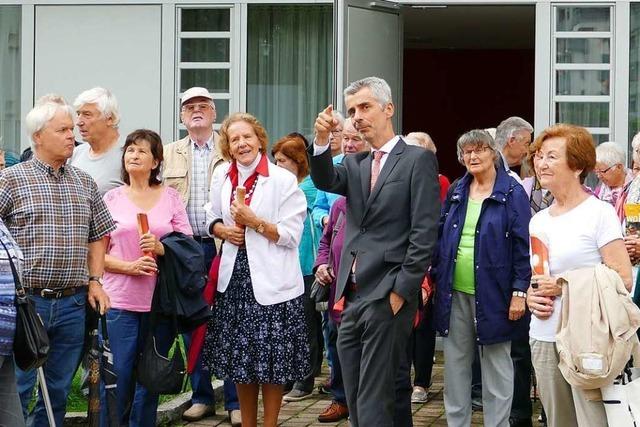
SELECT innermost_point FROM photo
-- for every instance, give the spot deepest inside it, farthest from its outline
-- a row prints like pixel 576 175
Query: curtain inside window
pixel 10 81
pixel 289 66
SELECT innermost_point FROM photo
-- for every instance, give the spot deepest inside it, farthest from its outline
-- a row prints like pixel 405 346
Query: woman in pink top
pixel 130 275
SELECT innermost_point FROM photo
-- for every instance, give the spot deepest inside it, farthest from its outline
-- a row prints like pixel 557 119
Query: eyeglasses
pixel 477 150
pixel 602 172
pixel 190 108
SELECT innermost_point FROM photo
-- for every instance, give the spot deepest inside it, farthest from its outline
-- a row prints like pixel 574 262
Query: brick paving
pixel 304 413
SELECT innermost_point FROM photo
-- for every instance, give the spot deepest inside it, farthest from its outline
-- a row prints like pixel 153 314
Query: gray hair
pixel 476 137
pixel 379 88
pixel 421 139
pixel 610 154
pixel 508 127
pixel 635 142
pixel 44 110
pixel 105 101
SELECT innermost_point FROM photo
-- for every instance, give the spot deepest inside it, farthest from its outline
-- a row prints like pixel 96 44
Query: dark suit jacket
pixel 391 231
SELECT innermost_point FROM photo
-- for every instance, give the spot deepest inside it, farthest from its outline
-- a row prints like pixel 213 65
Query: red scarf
pixel 261 169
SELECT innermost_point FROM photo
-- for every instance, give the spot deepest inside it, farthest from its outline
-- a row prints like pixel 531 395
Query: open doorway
pixel 466 67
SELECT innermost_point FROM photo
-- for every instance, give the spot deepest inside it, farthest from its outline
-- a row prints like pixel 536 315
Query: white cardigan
pixel 275 267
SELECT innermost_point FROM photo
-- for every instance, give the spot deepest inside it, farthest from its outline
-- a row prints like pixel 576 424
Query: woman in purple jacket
pixel 327 262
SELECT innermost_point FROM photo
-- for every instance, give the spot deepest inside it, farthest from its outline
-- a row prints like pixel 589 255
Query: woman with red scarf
pixel 257 337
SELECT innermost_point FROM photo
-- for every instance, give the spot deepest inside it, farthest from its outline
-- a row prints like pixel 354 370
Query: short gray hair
pixel 635 142
pixel 610 154
pixel 476 137
pixel 105 101
pixel 44 110
pixel 508 127
pixel 421 139
pixel 379 88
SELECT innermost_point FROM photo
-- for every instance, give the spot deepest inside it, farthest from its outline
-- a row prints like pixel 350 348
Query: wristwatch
pixel 519 294
pixel 96 279
pixel 260 228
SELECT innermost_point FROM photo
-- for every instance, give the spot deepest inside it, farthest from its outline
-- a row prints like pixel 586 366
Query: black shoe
pixel 476 403
pixel 520 422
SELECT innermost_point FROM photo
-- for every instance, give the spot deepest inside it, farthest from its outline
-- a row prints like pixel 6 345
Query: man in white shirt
pixel 391 233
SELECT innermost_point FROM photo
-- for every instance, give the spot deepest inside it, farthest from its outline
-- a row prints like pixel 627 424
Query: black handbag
pixel 320 293
pixel 157 373
pixel 31 342
pixel 160 374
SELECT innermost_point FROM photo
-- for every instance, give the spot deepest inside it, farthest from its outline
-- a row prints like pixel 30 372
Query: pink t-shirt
pixel 134 293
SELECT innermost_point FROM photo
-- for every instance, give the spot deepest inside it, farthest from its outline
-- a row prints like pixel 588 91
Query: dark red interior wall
pixel 447 92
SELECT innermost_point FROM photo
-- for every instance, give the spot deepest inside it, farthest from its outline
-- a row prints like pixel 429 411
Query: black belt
pixel 55 293
pixel 202 239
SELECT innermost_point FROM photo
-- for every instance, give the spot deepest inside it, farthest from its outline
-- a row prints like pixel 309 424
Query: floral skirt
pixel 251 343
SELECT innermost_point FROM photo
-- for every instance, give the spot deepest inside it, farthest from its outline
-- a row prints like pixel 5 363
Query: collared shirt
pixel 386 149
pixel 53 215
pixel 199 188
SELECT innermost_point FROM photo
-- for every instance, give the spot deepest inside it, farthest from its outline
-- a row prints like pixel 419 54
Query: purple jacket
pixel 334 239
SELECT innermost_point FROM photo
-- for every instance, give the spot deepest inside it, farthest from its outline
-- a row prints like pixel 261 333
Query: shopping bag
pixel 622 399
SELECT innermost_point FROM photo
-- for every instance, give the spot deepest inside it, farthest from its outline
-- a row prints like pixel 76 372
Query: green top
pixel 463 272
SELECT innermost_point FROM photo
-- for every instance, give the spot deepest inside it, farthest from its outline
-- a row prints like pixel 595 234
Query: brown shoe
pixel 333 413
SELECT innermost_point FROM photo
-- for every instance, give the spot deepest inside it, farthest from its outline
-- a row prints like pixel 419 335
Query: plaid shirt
pixel 199 189
pixel 53 216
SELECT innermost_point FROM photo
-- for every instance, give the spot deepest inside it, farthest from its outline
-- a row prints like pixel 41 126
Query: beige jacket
pixel 176 170
pixel 597 330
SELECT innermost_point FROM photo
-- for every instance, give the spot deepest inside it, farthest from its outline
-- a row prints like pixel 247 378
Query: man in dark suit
pixel 391 230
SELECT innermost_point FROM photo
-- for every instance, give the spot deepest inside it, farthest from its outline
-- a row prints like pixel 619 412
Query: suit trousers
pixel 372 344
pixel 521 407
pixel 564 405
pixel 496 367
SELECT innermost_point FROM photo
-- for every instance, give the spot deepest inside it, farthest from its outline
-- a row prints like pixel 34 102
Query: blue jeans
pixel 127 332
pixel 337 386
pixel 64 320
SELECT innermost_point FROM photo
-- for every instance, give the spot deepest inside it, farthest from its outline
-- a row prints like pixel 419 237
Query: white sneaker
pixel 419 395
pixel 235 418
pixel 198 411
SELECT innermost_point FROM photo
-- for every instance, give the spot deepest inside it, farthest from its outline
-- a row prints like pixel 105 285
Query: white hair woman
pixel 612 173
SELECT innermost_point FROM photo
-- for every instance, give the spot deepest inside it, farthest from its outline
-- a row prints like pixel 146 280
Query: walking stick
pixel 45 397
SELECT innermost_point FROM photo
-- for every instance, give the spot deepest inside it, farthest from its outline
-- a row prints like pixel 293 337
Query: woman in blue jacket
pixel 482 273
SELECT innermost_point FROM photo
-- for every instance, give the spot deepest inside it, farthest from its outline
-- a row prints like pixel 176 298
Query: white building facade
pixel 284 61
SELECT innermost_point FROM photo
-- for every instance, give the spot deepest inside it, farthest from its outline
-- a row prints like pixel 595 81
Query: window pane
pixel 222 109
pixel 634 71
pixel 206 20
pixel 10 82
pixel 583 51
pixel 582 82
pixel 214 80
pixel 289 65
pixel 204 50
pixel 583 19
pixel 600 138
pixel 588 114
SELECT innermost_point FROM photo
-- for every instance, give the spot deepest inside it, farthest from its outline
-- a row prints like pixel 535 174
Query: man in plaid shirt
pixel 56 215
